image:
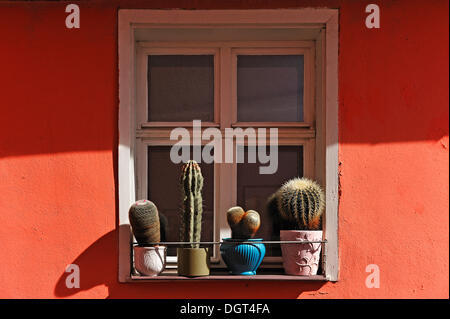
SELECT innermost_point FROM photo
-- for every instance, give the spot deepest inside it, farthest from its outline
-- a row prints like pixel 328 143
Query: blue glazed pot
pixel 242 258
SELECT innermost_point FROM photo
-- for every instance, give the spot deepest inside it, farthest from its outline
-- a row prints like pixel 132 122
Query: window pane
pixel 180 88
pixel 270 88
pixel 164 191
pixel 253 189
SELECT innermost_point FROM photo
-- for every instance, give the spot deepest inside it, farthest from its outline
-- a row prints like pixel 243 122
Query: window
pixel 179 82
pixel 228 74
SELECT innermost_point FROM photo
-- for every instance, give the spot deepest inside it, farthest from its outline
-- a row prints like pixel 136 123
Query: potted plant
pixel 242 254
pixel 194 260
pixel 149 259
pixel 299 203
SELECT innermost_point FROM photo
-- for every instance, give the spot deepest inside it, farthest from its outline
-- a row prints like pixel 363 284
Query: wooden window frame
pixel 225 58
pixel 318 137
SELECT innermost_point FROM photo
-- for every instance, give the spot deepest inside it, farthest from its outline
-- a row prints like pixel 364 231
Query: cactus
pixel 191 214
pixel 144 221
pixel 234 216
pixel 244 225
pixel 300 203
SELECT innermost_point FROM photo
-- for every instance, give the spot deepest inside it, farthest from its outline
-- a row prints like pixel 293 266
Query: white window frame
pixel 132 92
pixel 225 59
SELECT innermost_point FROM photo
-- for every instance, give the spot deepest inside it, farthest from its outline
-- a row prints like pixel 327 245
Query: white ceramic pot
pixel 150 261
pixel 301 259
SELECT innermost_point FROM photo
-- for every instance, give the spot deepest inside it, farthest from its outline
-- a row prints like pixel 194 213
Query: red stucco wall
pixel 58 153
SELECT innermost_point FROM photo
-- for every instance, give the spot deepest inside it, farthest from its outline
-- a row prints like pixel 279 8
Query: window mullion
pixel 225 192
pixel 225 91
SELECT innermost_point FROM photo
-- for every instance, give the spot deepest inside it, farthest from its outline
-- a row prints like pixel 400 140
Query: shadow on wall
pixel 58 96
pixel 98 266
pixel 384 96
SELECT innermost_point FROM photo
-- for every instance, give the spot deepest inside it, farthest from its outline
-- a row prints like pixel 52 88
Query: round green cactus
pixel 300 202
pixel 144 220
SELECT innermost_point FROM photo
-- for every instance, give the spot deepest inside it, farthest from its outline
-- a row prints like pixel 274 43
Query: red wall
pixel 58 153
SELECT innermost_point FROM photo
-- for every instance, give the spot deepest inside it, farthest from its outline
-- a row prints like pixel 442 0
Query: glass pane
pixel 164 191
pixel 253 189
pixel 270 88
pixel 180 88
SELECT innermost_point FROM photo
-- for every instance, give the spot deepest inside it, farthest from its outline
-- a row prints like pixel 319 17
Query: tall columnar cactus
pixel 300 202
pixel 144 220
pixel 191 214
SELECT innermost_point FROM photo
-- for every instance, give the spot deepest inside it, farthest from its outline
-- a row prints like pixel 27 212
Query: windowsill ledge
pixel 224 275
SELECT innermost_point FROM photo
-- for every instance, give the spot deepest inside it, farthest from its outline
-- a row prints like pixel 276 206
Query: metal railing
pixel 234 241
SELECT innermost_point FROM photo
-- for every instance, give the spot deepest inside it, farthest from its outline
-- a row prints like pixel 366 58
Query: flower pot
pixel 242 258
pixel 301 259
pixel 150 261
pixel 193 262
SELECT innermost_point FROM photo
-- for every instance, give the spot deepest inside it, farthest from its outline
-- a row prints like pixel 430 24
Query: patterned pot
pixel 301 259
pixel 242 258
pixel 150 261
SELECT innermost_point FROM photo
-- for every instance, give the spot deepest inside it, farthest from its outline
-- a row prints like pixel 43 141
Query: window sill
pixel 268 275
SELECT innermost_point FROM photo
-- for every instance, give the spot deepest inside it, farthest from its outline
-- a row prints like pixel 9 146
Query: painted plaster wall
pixel 58 153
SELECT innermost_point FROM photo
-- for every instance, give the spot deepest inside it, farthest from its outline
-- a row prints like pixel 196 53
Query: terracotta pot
pixel 150 261
pixel 193 262
pixel 301 259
